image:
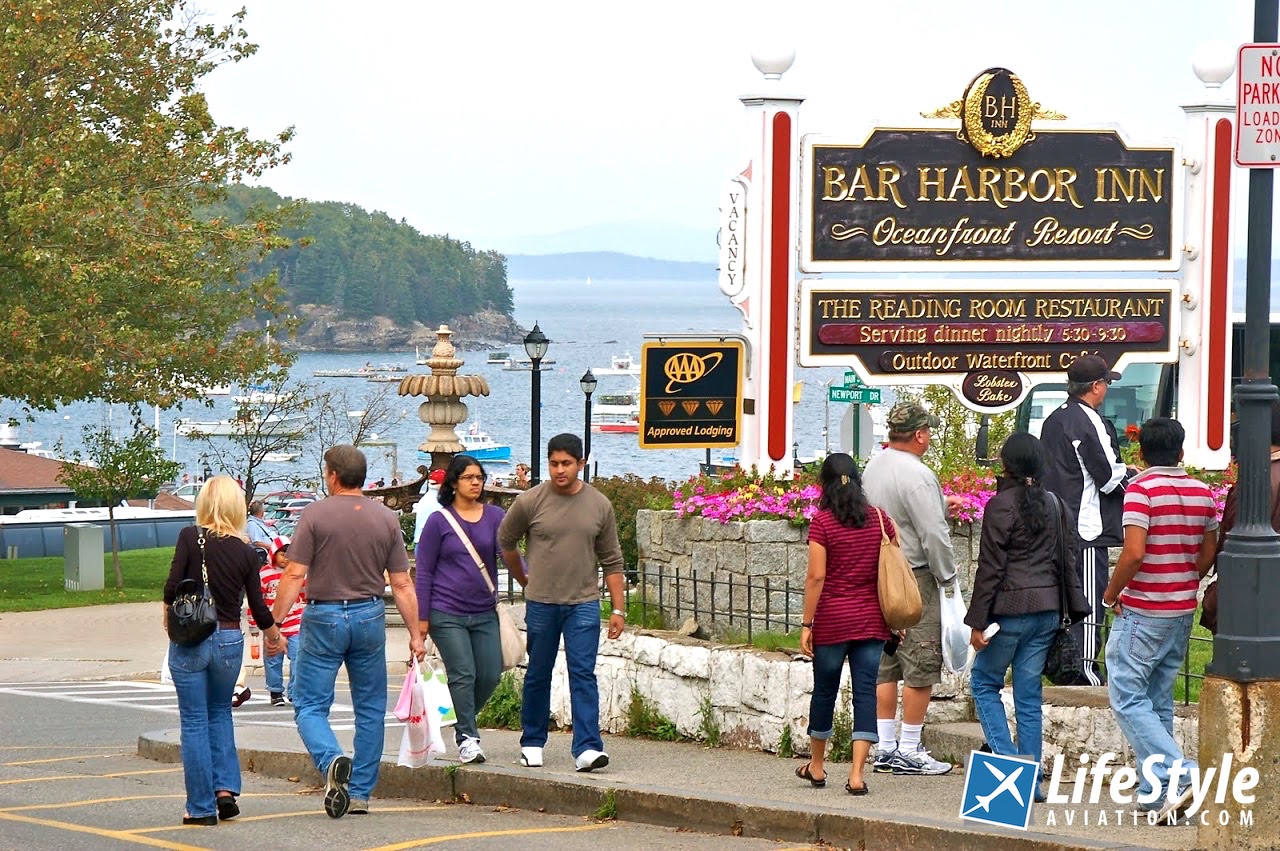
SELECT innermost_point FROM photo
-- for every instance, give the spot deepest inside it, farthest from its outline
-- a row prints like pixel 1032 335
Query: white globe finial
pixel 773 62
pixel 1214 62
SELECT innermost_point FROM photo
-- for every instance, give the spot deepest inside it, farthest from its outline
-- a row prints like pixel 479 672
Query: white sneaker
pixel 591 760
pixel 531 757
pixel 917 762
pixel 1175 806
pixel 469 751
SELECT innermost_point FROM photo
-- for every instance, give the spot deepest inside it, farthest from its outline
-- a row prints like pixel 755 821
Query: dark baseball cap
pixel 1091 368
pixel 906 417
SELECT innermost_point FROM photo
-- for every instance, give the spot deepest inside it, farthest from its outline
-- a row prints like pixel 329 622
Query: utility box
pixel 82 556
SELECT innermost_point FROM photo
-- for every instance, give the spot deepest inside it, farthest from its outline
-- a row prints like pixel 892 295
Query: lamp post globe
pixel 588 385
pixel 535 346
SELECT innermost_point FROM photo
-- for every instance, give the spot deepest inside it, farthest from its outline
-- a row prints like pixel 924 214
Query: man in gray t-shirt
pixel 569 528
pixel 899 482
pixel 347 547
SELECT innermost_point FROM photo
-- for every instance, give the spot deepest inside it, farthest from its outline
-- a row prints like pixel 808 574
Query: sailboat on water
pixel 588 280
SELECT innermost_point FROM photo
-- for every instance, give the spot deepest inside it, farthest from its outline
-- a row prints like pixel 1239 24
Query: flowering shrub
pixel 747 495
pixel 974 487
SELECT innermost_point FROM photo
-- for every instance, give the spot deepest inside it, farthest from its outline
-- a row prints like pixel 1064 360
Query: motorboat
pixel 616 413
pixel 499 358
pixel 275 425
pixel 362 372
pixel 619 365
pixel 526 365
pixel 480 446
pixel 281 457
pixel 385 378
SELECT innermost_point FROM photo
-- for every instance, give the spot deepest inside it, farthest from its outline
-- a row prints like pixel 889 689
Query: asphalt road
pixel 70 779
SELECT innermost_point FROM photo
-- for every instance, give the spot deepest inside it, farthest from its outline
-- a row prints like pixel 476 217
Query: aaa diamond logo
pixel 714 406
pixel 686 367
pixel 666 407
pixel 690 407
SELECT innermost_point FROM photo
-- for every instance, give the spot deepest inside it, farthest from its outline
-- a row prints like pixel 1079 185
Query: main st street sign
pixel 994 196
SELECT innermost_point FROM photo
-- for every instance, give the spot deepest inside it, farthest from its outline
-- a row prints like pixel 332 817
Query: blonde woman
pixel 205 674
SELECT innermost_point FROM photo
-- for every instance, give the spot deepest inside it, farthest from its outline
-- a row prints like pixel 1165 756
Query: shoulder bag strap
pixel 204 568
pixel 884 536
pixel 1062 556
pixel 471 548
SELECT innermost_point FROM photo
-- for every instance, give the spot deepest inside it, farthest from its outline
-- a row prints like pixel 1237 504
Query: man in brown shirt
pixel 344 546
pixel 568 527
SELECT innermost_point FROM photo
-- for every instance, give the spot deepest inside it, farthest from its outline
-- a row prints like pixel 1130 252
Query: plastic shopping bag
pixel 421 736
pixel 403 706
pixel 435 686
pixel 165 677
pixel 957 652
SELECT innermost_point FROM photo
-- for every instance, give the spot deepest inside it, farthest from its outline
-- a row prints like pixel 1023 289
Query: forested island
pixel 361 281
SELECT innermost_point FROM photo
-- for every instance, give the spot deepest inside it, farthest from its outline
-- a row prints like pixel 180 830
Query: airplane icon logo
pixel 999 790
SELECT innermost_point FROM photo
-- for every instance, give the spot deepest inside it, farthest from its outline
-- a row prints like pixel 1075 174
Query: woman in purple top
pixel 455 606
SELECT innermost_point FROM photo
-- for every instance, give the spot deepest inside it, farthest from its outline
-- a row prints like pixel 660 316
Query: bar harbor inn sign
pixel 997 191
pixel 1001 193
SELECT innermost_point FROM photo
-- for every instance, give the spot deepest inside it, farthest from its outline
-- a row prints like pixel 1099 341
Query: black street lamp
pixel 588 384
pixel 208 471
pixel 535 345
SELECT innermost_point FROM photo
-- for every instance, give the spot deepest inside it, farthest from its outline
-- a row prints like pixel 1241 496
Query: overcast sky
pixel 492 121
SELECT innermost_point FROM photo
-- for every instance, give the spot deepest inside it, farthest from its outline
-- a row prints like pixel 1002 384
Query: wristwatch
pixel 620 613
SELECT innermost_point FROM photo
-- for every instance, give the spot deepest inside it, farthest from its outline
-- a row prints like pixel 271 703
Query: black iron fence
pixel 743 607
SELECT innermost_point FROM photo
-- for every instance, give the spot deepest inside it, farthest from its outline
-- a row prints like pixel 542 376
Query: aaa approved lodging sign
pixel 1258 106
pixel 690 394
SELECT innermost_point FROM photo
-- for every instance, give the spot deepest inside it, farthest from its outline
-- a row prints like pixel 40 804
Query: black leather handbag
pixel 1062 666
pixel 192 614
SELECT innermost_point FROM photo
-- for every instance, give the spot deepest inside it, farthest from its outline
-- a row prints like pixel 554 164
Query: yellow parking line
pixel 434 840
pixel 91 801
pixel 306 812
pixel 84 776
pixel 120 835
pixel 59 747
pixel 69 758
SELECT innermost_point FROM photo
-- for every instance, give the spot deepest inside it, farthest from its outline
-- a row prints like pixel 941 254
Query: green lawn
pixel 32 584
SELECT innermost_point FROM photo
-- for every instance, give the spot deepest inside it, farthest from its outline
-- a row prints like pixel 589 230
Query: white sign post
pixel 1258 106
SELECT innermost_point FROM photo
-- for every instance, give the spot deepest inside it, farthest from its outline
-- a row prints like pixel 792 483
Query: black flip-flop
pixel 227 807
pixel 860 791
pixel 803 773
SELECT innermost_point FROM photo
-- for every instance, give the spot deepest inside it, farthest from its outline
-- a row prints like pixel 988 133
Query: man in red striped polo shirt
pixel 1170 531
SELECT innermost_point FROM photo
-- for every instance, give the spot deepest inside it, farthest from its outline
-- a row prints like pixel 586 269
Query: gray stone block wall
pixel 676 552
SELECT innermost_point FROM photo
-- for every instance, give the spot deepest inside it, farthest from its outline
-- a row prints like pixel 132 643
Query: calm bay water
pixel 588 325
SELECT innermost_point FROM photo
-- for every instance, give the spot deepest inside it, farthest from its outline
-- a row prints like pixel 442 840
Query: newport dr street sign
pixel 857 395
pixel 1258 106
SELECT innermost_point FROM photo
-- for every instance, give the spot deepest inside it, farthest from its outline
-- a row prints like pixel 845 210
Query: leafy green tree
pixel 111 471
pixel 111 284
pixel 952 445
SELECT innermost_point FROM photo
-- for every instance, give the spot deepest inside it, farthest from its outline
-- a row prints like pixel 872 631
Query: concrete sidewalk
pixel 722 790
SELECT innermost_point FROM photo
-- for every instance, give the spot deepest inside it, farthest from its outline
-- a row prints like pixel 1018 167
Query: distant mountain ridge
pixel 604 266
pixel 662 240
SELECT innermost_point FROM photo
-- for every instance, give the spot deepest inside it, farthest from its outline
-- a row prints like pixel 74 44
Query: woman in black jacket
pixel 1017 586
pixel 204 675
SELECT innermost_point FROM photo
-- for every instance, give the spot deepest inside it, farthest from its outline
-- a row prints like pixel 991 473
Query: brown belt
pixel 228 624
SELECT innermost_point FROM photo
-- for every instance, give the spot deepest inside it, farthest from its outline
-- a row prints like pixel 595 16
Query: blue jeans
pixel 333 634
pixel 579 623
pixel 472 654
pixel 204 677
pixel 273 668
pixel 1023 642
pixel 864 663
pixel 1143 658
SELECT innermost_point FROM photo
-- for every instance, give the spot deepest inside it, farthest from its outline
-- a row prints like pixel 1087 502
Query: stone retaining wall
pixel 752 695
